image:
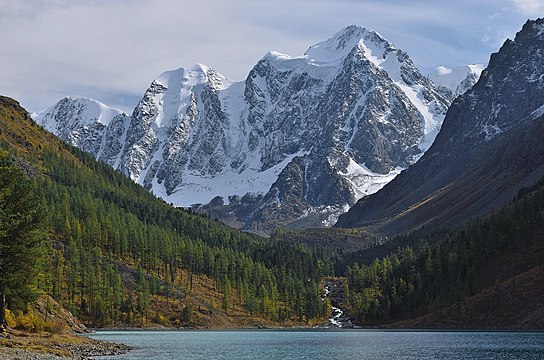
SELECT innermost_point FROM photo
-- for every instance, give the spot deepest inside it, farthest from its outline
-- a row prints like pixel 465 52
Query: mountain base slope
pixel 517 303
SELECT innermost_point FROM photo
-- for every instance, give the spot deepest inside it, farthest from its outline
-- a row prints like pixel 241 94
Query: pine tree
pixel 20 235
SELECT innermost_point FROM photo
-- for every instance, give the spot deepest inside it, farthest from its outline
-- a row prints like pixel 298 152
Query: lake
pixel 318 344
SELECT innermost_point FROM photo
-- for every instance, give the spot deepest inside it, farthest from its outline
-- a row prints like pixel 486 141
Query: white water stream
pixel 336 312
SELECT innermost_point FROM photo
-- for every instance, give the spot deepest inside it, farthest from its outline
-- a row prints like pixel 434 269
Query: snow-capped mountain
pixel 458 79
pixel 297 142
pixel 88 124
pixel 490 146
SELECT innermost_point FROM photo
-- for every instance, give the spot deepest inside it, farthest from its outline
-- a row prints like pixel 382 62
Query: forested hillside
pixel 489 274
pixel 117 255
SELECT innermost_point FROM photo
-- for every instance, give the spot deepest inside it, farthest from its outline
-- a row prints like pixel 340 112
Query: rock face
pixel 296 143
pixel 490 145
pixel 459 79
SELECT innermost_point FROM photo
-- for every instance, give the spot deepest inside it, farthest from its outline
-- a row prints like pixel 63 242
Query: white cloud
pixel 530 7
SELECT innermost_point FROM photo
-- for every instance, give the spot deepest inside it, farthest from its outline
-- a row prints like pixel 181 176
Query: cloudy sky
pixel 111 50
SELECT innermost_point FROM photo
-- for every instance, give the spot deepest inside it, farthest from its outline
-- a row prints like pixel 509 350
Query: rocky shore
pixel 22 346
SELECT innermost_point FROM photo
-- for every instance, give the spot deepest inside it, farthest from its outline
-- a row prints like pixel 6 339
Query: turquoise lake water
pixel 313 345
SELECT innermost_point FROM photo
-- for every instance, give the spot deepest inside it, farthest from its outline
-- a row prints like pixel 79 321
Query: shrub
pixel 29 322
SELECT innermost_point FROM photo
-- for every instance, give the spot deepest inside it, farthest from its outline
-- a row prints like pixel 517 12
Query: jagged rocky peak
pixel 490 145
pixel 490 107
pixel 172 91
pixel 368 49
pixel 179 120
pixel 458 79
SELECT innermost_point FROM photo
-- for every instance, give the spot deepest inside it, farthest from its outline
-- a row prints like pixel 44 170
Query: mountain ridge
pixel 345 117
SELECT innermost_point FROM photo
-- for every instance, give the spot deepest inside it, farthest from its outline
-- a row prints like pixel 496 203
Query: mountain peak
pixel 489 146
pixel 188 77
pixel 193 75
pixel 346 38
pixel 275 55
pixel 343 42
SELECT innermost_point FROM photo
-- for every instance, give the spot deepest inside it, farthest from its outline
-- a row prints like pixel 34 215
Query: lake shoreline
pixel 310 329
